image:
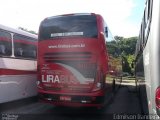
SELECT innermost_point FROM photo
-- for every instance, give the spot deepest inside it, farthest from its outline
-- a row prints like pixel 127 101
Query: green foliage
pixel 127 45
pixel 125 65
pixel 113 48
pixel 30 31
pixel 118 38
pixel 124 47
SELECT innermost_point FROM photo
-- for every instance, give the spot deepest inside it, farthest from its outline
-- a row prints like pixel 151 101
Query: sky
pixel 123 17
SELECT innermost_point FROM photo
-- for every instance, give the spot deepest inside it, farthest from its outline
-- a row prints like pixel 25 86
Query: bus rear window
pixel 69 26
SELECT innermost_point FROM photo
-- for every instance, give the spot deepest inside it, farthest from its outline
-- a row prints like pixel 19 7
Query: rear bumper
pixel 95 99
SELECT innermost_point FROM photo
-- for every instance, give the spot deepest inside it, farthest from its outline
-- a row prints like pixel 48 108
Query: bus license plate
pixel 65 98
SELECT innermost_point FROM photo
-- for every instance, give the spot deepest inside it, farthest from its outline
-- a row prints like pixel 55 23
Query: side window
pixel 108 34
pixel 24 47
pixel 5 44
pixel 148 16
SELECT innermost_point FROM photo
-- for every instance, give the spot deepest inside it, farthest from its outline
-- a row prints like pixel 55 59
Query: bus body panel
pixel 9 63
pixel 18 65
pixel 153 79
pixel 150 80
pixel 17 87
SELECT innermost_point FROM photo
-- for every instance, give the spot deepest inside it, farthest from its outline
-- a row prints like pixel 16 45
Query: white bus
pixel 17 64
pixel 148 59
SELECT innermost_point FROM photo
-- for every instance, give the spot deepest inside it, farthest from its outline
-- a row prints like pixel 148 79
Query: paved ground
pixel 125 101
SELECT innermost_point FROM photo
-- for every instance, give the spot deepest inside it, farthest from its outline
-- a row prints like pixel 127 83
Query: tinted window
pixel 5 44
pixel 24 47
pixel 68 26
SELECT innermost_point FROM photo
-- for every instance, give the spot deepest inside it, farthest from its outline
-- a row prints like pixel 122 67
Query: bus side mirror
pixel 106 31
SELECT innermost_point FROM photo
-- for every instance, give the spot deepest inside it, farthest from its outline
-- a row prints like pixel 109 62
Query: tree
pixel 113 48
pixel 124 47
pixel 125 65
pixel 30 31
pixel 118 38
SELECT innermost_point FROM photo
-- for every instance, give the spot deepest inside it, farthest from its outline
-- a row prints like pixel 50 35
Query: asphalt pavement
pixel 125 101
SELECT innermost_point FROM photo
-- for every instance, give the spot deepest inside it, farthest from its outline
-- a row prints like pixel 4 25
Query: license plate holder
pixel 65 98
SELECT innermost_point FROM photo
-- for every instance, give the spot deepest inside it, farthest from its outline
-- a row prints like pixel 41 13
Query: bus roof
pixel 72 14
pixel 21 32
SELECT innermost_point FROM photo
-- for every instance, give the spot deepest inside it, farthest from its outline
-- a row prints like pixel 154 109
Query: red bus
pixel 72 60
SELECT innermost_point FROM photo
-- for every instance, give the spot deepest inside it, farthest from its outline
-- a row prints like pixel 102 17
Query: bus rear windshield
pixel 69 26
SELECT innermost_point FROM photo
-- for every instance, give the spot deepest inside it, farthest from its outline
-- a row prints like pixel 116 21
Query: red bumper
pixel 93 99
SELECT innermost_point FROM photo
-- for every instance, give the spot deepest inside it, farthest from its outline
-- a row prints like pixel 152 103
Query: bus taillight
pixel 158 97
pixel 98 84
